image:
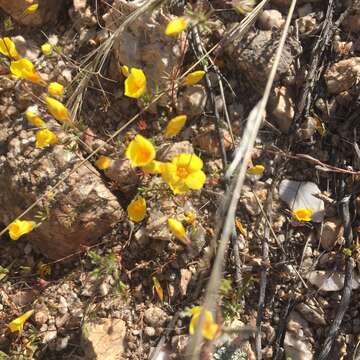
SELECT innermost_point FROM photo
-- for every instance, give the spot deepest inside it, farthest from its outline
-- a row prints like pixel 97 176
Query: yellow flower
pixel 46 49
pixel 8 48
pixel 194 77
pixel 57 110
pixel 137 209
pixel 303 214
pixel 44 138
pixel 154 167
pixel 190 217
pixel 175 125
pixel 31 9
pixel 55 89
pixel 184 173
pixel 135 83
pixel 19 228
pixel 210 328
pixel 34 119
pixel 25 69
pixel 125 70
pixel 18 323
pixel 176 26
pixel 177 229
pixel 140 151
pixel 103 162
pixel 256 170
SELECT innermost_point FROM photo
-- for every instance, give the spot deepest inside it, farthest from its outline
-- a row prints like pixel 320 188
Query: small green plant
pixel 107 265
pixel 233 298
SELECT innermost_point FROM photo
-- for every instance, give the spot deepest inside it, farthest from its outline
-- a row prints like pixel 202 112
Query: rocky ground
pixel 104 287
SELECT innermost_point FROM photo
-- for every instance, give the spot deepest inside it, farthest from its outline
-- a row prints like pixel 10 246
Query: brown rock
pixel 155 316
pixel 209 141
pixel 342 75
pixel 167 152
pixel 41 314
pixel 248 197
pixel 312 314
pixel 185 277
pixel 331 233
pixel 104 340
pixel 24 297
pixel 123 175
pixel 269 19
pixel 284 108
pixel 352 22
pixel 192 100
pixel 80 211
pixel 47 10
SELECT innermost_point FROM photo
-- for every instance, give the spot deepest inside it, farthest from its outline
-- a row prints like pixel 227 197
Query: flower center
pixel 15 229
pixel 182 172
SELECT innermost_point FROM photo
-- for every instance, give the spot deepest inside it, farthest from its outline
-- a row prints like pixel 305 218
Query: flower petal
pixel 194 77
pixel 196 180
pixel 176 26
pixel 137 209
pixel 175 125
pixel 190 161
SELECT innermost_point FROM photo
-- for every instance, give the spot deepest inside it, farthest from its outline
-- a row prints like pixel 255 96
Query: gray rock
pixel 299 195
pixel 62 343
pixel 155 316
pixel 331 281
pixel 254 56
pixel 50 334
pixel 149 331
pixel 26 47
pixel 63 305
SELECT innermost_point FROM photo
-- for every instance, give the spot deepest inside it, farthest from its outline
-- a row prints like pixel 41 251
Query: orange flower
pixel 303 214
pixel 140 151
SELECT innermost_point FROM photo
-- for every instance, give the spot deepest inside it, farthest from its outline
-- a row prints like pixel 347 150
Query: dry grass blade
pixel 95 60
pixel 233 194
